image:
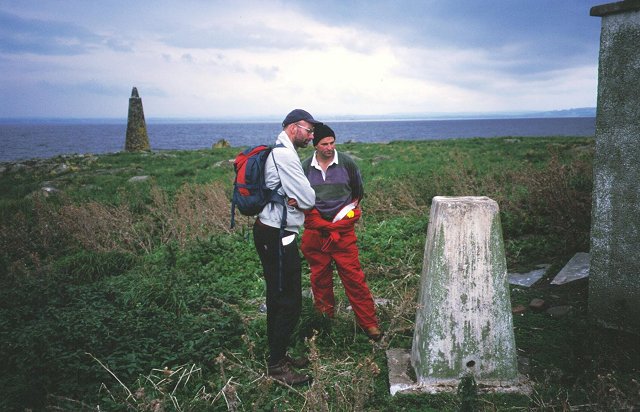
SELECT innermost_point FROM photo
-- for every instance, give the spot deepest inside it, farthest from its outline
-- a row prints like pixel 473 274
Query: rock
pixel 159 154
pixel 49 191
pixel 46 190
pixel 220 144
pixel 224 163
pixel 90 159
pixel 16 167
pixel 559 311
pixel 136 179
pixel 537 304
pixel 381 302
pixel 379 159
pixel 518 309
pixel 60 169
pixel 376 301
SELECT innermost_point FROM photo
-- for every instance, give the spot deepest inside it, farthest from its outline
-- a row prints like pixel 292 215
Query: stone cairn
pixel 614 277
pixel 137 138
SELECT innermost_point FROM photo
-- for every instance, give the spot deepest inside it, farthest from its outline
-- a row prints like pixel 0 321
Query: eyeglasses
pixel 310 131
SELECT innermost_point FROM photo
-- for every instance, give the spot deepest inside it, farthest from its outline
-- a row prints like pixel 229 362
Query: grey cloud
pixel 561 32
pixel 100 88
pixel 118 45
pixel 247 37
pixel 87 87
pixel 19 35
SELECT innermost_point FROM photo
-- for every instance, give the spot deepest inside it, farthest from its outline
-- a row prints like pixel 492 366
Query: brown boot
pixel 374 333
pixel 281 372
pixel 300 362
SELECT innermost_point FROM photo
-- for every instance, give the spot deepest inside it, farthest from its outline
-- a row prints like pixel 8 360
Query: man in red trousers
pixel 329 235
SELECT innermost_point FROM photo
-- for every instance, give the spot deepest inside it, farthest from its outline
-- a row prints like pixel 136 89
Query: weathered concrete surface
pixel 402 379
pixel 464 323
pixel 614 279
pixel 137 138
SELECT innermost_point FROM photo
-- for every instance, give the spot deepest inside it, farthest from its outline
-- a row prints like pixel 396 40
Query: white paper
pixel 343 212
pixel 288 239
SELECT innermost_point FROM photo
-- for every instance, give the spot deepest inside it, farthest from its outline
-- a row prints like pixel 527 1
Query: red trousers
pixel 321 249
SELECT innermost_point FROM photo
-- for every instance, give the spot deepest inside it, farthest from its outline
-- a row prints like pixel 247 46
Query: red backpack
pixel 250 192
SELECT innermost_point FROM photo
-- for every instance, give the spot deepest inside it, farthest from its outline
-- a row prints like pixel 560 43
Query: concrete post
pixel 137 139
pixel 614 278
pixel 464 324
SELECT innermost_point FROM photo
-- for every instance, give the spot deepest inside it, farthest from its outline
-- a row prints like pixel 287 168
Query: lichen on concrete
pixel 463 324
pixel 614 278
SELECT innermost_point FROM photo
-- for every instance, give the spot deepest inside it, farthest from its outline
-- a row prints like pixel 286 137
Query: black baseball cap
pixel 297 115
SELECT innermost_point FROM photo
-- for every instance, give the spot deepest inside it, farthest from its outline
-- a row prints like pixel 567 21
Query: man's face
pixel 303 134
pixel 326 148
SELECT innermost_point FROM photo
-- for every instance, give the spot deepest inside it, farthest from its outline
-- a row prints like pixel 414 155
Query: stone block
pixel 464 323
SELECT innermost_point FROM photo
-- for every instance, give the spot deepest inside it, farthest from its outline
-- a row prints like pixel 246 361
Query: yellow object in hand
pixel 350 214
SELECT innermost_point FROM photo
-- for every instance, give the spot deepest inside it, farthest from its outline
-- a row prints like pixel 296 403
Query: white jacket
pixel 294 186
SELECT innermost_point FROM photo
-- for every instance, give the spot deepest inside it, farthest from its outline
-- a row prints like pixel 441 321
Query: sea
pixel 22 140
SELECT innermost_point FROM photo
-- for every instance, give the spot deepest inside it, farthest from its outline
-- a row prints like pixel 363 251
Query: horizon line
pixel 562 113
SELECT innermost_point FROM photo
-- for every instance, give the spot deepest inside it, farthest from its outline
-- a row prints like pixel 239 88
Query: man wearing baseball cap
pixel 278 251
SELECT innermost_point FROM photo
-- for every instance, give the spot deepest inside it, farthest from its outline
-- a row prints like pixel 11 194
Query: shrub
pixel 139 297
pixel 87 266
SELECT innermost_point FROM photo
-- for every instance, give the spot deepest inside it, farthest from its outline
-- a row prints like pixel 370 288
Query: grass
pixel 121 295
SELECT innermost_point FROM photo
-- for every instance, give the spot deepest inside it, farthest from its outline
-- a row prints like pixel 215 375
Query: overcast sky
pixel 217 59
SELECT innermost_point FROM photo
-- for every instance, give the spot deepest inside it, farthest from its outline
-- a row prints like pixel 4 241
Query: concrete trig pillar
pixel 614 275
pixel 464 324
pixel 137 138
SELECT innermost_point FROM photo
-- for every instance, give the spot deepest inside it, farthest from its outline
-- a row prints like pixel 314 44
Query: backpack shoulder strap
pixel 276 146
pixel 283 222
pixel 276 163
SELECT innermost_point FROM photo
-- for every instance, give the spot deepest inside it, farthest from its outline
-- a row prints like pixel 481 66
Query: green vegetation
pixel 136 295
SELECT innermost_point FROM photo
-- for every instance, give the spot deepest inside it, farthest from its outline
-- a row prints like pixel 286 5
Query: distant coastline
pixel 42 139
pixel 564 113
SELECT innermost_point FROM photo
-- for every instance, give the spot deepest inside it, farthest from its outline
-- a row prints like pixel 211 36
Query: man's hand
pixel 292 202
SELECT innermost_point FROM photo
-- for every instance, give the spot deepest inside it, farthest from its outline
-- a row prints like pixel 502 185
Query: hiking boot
pixel 298 363
pixel 281 372
pixel 374 333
